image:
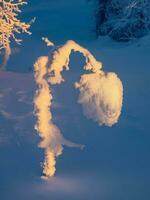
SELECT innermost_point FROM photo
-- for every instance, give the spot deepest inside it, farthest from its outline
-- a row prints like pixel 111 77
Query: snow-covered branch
pixel 10 25
pixel 124 20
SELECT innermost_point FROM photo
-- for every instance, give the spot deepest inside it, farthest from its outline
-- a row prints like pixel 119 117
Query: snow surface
pixel 115 162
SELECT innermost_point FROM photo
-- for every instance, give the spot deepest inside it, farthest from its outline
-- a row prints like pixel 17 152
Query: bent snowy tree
pixel 100 96
pixel 10 25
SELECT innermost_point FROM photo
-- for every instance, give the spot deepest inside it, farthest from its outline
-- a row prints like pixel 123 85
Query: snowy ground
pixel 115 162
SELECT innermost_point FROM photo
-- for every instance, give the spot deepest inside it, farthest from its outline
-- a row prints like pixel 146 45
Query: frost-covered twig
pixel 10 25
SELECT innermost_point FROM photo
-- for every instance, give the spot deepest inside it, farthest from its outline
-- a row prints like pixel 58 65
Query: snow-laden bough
pixel 100 96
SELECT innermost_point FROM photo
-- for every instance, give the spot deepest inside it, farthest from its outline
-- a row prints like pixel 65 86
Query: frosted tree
pixel 10 25
pixel 100 95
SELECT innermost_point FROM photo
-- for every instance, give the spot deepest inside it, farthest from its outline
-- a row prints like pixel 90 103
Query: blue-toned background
pixel 115 164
